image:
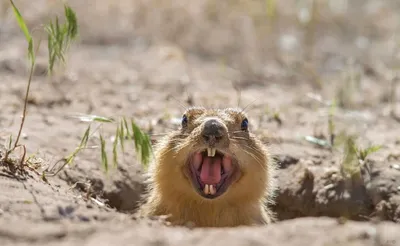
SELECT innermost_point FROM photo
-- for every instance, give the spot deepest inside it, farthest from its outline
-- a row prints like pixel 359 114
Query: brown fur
pixel 171 192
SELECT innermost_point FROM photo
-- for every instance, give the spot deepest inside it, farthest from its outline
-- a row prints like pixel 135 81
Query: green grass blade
pixel 9 142
pixel 94 118
pixel 21 22
pixel 350 162
pixel 70 158
pixel 270 8
pixel 115 157
pixel 115 144
pixel 121 135
pixel 136 136
pixel 104 159
pixel 128 134
pixel 146 150
pixel 85 138
pixel 25 30
pixel 373 149
pixel 49 47
pixel 31 54
pixel 82 144
pixel 142 144
pixel 72 22
pixel 366 152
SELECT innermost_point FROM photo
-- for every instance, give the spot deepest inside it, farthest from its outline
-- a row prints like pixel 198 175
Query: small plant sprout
pixel 59 39
pixel 350 164
pixel 69 159
pixel 354 156
pixel 124 132
pixel 276 116
pixel 364 153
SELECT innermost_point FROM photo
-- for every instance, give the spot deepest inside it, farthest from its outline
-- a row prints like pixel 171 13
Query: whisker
pixel 189 97
pixel 248 147
pixel 166 133
pixel 236 132
pixel 243 110
pixel 183 107
pixel 238 92
pixel 243 147
pixel 254 156
pixel 168 127
pixel 167 152
pixel 238 138
pixel 251 147
pixel 157 134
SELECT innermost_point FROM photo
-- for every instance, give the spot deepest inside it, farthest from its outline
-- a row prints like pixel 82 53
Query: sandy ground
pixel 150 65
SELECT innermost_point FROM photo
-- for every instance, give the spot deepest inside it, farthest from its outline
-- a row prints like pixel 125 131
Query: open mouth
pixel 211 172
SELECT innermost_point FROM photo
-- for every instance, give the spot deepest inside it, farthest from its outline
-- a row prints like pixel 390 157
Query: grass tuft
pixel 355 157
pixel 123 132
pixel 64 39
pixel 59 36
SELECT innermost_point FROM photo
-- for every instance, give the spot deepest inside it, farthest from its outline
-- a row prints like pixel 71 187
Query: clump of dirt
pixel 311 189
pixel 316 187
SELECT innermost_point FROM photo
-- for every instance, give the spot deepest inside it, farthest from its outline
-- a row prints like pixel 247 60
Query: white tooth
pixel 211 152
pixel 212 189
pixel 206 189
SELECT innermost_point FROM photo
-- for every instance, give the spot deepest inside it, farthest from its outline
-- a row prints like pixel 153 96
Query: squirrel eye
pixel 184 120
pixel 245 124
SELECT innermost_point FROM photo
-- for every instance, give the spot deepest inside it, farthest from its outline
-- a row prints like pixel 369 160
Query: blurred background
pixel 266 40
pixel 220 53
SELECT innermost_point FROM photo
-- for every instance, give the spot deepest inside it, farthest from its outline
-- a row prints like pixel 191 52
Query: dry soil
pixel 149 60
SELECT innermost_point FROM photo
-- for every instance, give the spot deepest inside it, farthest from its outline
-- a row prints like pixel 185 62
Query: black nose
pixel 213 131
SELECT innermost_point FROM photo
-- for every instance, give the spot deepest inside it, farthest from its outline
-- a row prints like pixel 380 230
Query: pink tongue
pixel 211 170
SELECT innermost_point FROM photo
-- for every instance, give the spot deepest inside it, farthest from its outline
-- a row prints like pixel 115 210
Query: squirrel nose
pixel 213 131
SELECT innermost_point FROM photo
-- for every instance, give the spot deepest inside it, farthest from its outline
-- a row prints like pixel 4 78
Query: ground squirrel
pixel 212 172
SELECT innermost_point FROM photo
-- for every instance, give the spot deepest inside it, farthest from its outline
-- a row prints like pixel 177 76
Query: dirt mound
pixel 315 188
